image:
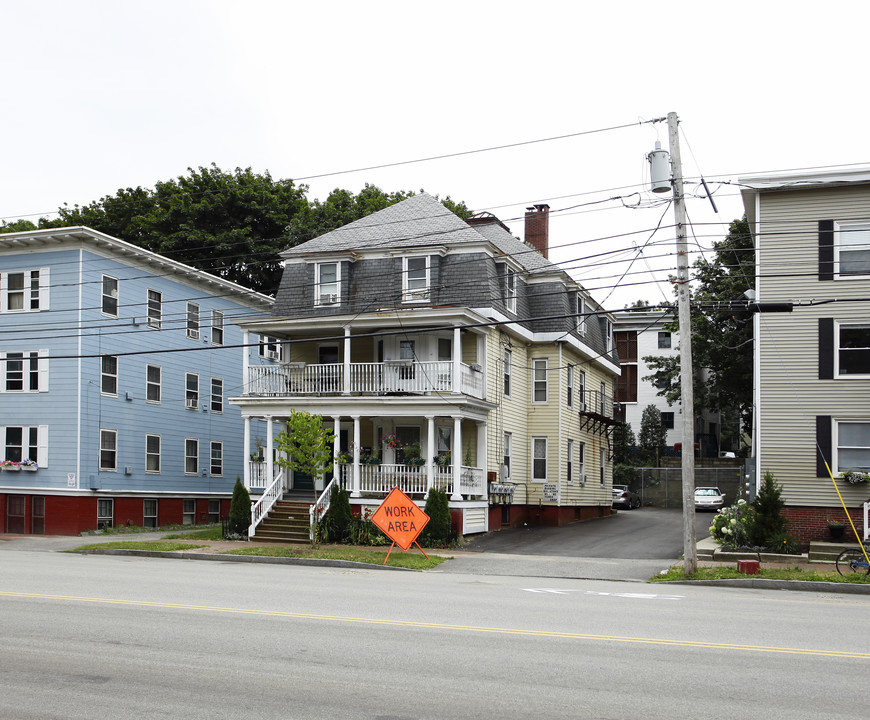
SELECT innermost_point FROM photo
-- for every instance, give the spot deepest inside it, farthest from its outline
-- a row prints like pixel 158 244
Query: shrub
pixel 240 510
pixel 625 475
pixel 364 532
pixel 732 526
pixel 338 519
pixel 437 530
pixel 769 523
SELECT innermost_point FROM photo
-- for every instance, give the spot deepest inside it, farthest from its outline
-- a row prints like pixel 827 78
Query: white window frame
pixel 838 327
pixel 34 369
pixel 837 464
pixel 191 391
pixel 216 461
pixel 156 386
pixel 569 386
pixel 153 453
pixel 510 289
pixel 188 511
pixel 540 364
pixel 34 290
pixel 843 230
pixel 154 308
pixel 327 292
pixel 105 519
pixel 508 373
pixel 581 314
pixel 106 434
pixel 217 327
pixel 191 460
pixel 602 465
pixel 581 462
pixel 149 518
pixel 569 464
pixel 538 442
pixel 109 295
pixel 193 320
pixel 416 289
pixel 269 347
pixel 34 439
pixel 109 376
pixel 216 404
pixel 506 457
pixel 581 390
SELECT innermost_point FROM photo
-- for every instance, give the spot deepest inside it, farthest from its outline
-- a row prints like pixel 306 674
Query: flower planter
pixel 29 468
pixel 13 468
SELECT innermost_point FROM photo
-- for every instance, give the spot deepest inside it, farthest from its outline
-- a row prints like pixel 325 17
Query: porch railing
pixel 412 479
pixel 365 378
pixel 261 508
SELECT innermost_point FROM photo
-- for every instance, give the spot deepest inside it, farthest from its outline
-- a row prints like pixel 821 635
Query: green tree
pixel 339 517
pixel 769 522
pixel 240 509
pixel 721 334
pixel 623 444
pixel 437 530
pixel 17 226
pixel 306 446
pixel 653 434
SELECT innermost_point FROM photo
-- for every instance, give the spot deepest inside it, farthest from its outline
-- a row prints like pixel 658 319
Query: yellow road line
pixel 444 626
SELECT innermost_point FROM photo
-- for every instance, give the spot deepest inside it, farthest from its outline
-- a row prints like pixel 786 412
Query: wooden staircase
pixel 287 522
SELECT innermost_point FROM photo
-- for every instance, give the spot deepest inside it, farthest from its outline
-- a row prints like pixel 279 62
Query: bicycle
pixel 853 560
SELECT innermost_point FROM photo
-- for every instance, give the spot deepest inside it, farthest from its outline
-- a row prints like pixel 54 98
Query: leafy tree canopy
pixel 721 335
pixel 229 224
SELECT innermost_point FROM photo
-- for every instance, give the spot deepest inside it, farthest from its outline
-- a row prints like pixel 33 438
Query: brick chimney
pixel 538 228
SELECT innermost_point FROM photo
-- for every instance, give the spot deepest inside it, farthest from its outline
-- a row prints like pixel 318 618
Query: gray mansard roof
pixel 419 221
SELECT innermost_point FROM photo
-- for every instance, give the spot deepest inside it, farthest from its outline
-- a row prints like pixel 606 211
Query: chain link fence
pixel 663 487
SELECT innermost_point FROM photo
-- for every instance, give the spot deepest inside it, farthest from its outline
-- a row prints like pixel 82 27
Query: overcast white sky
pixel 104 94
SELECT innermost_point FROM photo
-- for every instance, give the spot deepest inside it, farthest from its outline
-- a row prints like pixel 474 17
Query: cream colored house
pixel 812 237
pixel 415 334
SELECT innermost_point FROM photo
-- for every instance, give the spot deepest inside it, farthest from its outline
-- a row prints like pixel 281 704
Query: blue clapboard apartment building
pixel 115 368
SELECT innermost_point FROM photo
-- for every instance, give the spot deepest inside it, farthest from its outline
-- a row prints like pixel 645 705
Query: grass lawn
pixel 780 573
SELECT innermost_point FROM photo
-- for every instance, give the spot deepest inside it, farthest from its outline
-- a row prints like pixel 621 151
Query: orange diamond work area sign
pixel 400 519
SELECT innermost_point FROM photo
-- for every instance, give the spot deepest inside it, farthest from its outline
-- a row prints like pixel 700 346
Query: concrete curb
pixel 312 562
pixel 769 584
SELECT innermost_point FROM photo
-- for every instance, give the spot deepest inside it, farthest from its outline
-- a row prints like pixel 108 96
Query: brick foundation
pixel 811 523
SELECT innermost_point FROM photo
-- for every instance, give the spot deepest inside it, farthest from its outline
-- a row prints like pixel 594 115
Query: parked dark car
pixel 625 498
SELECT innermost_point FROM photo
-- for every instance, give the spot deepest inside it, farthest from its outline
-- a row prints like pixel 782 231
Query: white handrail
pixel 261 508
pixel 866 518
pixel 319 507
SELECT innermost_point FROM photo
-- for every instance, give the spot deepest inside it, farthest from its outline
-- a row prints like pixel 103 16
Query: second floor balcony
pixel 392 377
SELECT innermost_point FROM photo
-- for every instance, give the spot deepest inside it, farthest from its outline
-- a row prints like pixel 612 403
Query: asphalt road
pixel 86 637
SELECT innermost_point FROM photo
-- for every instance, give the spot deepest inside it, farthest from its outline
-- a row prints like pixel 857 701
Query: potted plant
pixel 29 465
pixel 391 440
pixel 443 460
pixel 10 466
pixel 412 454
pixel 344 458
pixel 853 477
pixel 836 528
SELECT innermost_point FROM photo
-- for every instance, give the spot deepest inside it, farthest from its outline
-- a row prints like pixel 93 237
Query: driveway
pixel 647 533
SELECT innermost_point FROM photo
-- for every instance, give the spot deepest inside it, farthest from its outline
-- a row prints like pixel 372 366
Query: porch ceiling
pixel 400 406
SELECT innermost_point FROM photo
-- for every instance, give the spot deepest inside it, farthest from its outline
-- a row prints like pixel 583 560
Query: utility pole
pixel 687 400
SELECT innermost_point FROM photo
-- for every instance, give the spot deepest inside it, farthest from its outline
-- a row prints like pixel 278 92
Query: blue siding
pixel 74 409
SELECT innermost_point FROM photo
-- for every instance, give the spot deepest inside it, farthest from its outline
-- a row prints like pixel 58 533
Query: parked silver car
pixel 625 498
pixel 709 498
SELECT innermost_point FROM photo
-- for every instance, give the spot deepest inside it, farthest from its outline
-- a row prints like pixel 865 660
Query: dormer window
pixel 415 279
pixel 581 314
pixel 510 289
pixel 327 289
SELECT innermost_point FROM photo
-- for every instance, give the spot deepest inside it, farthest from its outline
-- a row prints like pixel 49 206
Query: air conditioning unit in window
pixel 192 403
pixel 273 354
pixel 328 298
pixel 417 294
pixel 582 479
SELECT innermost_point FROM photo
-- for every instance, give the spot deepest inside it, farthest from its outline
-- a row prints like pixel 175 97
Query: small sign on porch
pixel 551 491
pixel 401 520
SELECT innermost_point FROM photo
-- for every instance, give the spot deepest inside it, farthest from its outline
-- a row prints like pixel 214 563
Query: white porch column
pixel 457 360
pixel 247 454
pixel 457 458
pixel 346 383
pixel 246 375
pixel 336 446
pixel 430 463
pixel 270 464
pixel 482 451
pixel 356 441
pixel 481 359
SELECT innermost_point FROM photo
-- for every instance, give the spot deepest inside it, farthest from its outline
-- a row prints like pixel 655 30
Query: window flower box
pixel 10 466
